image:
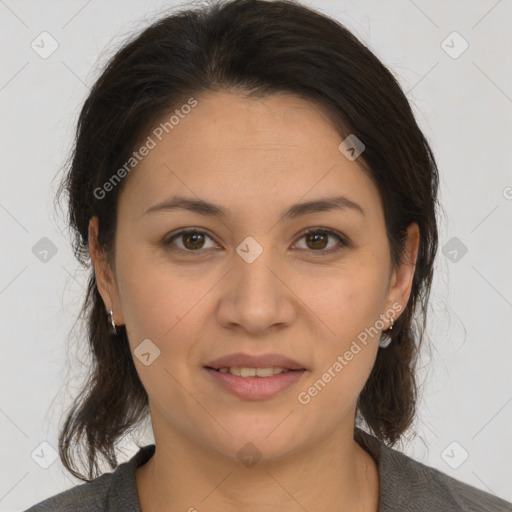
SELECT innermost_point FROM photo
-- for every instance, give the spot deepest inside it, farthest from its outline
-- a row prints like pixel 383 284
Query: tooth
pixel 253 372
pixel 265 372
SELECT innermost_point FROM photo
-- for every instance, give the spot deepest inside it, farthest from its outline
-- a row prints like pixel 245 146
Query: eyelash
pixel 320 252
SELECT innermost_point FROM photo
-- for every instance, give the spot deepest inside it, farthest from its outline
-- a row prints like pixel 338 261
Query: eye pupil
pixel 315 235
pixel 187 236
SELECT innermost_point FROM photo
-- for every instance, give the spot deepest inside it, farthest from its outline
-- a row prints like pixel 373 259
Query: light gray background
pixel 464 106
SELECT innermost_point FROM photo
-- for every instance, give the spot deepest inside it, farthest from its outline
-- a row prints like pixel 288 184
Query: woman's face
pixel 252 281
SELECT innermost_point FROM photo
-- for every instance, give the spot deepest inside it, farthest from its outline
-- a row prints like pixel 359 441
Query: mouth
pixel 254 372
pixel 247 363
pixel 254 383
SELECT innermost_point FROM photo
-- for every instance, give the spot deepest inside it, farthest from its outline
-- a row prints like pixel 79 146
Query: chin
pixel 266 441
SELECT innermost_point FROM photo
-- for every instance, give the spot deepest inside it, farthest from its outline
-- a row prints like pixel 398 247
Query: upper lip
pixel 261 361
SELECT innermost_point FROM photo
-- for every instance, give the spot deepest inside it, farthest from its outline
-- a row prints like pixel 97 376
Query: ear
pixel 105 278
pixel 402 276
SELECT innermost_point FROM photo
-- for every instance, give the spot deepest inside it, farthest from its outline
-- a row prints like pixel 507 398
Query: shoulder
pixel 406 484
pixel 429 488
pixel 112 492
pixel 85 497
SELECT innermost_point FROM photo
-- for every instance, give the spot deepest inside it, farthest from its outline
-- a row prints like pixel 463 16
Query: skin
pixel 256 157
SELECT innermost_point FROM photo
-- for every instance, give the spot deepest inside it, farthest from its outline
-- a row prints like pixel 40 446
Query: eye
pixel 193 240
pixel 317 238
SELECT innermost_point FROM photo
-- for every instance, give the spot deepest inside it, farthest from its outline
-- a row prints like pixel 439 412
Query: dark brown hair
pixel 260 48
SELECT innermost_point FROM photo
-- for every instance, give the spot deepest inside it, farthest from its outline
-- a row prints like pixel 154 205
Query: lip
pixel 255 388
pixel 240 359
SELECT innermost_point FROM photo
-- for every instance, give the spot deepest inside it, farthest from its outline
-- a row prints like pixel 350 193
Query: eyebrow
pixel 209 209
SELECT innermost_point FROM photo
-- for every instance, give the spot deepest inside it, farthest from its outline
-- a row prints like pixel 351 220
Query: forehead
pixel 278 149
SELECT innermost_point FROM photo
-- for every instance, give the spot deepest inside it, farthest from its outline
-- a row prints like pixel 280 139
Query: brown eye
pixel 317 240
pixel 192 240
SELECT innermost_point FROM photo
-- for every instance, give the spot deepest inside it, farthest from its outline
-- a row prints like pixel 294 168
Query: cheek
pixel 346 355
pixel 164 304
pixel 153 299
pixel 159 305
pixel 348 307
pixel 352 299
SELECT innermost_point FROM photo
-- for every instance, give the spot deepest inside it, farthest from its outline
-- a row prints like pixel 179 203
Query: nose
pixel 258 295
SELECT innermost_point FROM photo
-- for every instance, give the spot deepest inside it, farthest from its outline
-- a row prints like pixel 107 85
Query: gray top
pixel 405 485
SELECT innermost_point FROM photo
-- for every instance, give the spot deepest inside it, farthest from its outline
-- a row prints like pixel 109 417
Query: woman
pixel 259 206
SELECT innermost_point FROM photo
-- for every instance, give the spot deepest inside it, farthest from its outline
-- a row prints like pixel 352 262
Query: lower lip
pixel 256 388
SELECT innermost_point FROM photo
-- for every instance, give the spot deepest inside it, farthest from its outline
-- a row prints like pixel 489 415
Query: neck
pixel 336 474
